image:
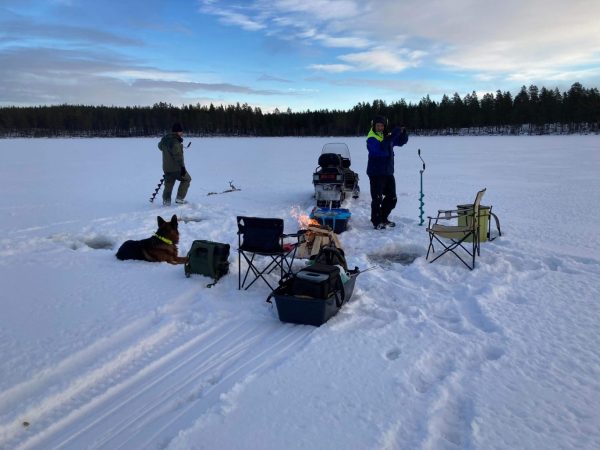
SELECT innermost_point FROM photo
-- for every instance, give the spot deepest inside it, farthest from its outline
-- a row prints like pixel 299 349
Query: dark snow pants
pixel 383 197
pixel 170 178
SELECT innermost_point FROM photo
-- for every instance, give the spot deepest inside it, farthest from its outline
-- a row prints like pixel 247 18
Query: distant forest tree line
pixel 531 111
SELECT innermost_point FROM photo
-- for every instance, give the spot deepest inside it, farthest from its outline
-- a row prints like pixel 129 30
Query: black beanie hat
pixel 176 127
pixel 379 119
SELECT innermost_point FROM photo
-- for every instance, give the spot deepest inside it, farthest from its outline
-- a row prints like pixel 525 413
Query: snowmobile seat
pixel 330 160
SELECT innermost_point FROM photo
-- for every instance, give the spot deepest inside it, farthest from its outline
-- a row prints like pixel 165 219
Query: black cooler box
pixel 313 295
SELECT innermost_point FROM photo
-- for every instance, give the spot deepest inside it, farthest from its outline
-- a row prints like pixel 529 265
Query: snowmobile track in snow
pixel 144 395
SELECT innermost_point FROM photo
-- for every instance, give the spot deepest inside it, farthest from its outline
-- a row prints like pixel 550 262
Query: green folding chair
pixel 460 240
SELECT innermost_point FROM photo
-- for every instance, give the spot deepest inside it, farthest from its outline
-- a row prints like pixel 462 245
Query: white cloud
pixel 507 37
pixel 147 74
pixel 455 46
pixel 555 75
pixel 320 9
pixel 51 76
pixel 331 68
pixel 329 23
pixel 511 39
pixel 383 60
pixel 240 19
pixel 343 42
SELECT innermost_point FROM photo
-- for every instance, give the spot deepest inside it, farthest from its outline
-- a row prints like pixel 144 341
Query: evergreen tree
pixel 521 111
pixel 488 112
pixel 473 109
pixel 547 110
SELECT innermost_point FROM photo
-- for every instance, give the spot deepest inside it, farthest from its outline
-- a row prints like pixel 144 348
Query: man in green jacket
pixel 171 146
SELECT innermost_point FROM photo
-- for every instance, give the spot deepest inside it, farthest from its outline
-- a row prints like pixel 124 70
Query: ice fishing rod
pixel 162 180
pixel 366 270
pixel 421 196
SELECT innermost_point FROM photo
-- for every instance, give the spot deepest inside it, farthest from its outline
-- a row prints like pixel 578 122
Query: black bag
pixel 208 258
pixel 317 281
pixel 331 255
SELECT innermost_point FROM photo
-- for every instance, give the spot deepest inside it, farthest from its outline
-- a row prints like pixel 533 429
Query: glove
pixel 183 171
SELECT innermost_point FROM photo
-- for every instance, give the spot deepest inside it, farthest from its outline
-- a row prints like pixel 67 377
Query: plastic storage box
pixel 336 218
pixel 484 220
pixel 308 310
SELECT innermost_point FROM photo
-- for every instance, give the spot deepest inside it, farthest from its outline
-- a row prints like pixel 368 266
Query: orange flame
pixel 304 220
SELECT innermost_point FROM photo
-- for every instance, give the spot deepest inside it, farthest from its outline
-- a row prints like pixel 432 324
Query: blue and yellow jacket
pixel 381 151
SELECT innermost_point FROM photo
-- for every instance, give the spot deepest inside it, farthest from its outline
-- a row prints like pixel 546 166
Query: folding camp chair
pixel 263 237
pixel 456 237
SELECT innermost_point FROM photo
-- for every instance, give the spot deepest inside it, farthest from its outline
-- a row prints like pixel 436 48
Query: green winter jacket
pixel 171 146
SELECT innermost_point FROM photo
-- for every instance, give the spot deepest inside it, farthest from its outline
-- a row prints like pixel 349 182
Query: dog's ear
pixel 174 220
pixel 160 221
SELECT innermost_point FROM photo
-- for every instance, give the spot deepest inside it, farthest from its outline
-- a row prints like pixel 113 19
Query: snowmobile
pixel 333 179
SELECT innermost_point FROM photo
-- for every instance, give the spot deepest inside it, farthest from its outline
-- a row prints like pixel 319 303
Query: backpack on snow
pixel 208 258
pixel 332 256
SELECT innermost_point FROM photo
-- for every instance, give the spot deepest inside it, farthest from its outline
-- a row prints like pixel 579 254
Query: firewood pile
pixel 316 237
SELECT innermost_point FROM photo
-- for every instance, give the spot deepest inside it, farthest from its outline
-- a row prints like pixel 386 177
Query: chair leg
pixel 254 270
pixel 249 262
pixel 289 263
pixel 451 248
pixel 239 265
pixel 430 246
pixel 276 261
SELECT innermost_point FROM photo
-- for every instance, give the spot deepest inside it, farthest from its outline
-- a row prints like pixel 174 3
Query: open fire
pixel 315 236
pixel 304 220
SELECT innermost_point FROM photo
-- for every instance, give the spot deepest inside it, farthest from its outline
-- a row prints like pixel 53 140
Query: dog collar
pixel 164 239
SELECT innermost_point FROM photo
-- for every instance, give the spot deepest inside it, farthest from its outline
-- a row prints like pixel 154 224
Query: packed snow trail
pixel 155 387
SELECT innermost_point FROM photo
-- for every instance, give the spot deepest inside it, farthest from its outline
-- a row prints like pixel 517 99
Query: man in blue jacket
pixel 380 169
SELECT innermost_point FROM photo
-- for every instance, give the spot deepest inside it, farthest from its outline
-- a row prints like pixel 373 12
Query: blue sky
pixel 307 54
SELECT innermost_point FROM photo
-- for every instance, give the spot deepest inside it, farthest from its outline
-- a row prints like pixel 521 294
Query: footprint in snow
pixel 393 354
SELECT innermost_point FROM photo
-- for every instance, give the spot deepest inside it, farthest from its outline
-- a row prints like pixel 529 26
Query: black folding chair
pixel 264 237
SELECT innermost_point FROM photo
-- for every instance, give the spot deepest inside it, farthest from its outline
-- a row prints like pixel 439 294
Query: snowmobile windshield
pixel 337 148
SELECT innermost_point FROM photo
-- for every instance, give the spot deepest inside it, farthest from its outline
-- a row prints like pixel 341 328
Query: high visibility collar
pixel 374 134
pixel 164 239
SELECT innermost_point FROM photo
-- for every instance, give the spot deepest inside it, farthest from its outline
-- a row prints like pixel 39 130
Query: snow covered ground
pixel 98 353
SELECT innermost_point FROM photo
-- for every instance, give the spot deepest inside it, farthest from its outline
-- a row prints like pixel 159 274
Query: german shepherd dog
pixel 162 246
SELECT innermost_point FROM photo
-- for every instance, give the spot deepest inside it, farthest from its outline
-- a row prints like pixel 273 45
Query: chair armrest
pixel 455 213
pixel 449 214
pixel 443 216
pixel 293 235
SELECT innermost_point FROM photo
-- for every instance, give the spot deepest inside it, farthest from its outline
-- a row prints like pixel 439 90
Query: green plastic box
pixel 484 220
